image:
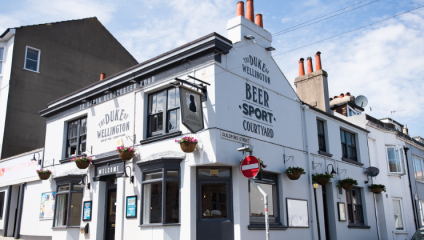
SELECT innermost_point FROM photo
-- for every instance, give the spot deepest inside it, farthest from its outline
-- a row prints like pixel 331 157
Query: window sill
pixel 65 227
pixel 359 226
pixel 325 153
pixel 161 137
pixel 159 225
pixel 262 227
pixel 66 160
pixel 31 70
pixel 400 232
pixel 352 161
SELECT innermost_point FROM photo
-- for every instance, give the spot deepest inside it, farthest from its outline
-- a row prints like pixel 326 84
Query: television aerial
pixel 361 101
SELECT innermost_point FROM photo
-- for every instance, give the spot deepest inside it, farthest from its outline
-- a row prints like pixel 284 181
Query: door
pixel 324 201
pixel 110 209
pixel 214 205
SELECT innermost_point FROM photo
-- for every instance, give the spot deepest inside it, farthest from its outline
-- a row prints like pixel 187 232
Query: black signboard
pixel 110 169
pixel 191 109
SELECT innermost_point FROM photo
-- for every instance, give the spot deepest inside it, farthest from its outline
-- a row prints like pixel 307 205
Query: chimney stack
pixel 309 65
pixel 318 61
pixel 102 76
pixel 259 21
pixel 250 13
pixel 240 9
pixel 405 130
pixel 301 67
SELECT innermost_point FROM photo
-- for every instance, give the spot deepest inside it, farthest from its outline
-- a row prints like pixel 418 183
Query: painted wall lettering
pixel 259 71
pixel 118 118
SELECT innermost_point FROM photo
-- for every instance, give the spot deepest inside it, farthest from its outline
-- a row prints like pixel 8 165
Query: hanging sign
pixel 249 166
pixel 191 109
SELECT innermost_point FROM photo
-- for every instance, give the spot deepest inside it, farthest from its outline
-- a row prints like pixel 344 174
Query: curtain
pixel 61 210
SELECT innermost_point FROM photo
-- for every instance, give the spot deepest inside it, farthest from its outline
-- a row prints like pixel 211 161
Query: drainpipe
pixel 414 207
pixel 20 206
pixel 305 126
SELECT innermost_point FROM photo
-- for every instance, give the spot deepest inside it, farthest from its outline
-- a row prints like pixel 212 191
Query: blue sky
pixel 384 62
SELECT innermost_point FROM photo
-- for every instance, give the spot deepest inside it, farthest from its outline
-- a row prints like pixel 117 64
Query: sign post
pixel 249 168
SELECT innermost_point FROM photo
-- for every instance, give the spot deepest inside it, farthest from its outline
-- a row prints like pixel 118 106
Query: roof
pixel 400 124
pixel 144 63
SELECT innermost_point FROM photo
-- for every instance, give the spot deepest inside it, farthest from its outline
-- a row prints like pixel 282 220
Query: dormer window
pixel 352 112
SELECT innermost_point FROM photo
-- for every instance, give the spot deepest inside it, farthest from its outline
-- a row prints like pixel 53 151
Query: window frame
pixel 401 213
pixel 347 156
pixel 165 113
pixel 2 197
pixel 351 109
pixel 349 211
pixel 163 168
pixel 1 60
pixel 421 205
pixel 400 158
pixel 69 192
pixel 323 135
pixel 276 205
pixel 38 59
pixel 78 137
pixel 415 158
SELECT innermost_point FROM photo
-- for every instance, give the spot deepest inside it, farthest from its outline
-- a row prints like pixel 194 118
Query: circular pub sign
pixel 249 166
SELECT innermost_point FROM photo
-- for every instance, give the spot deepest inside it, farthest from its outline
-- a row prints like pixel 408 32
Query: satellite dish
pixel 372 171
pixel 361 101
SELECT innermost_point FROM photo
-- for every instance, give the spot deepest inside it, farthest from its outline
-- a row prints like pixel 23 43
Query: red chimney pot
pixel 250 13
pixel 240 9
pixel 348 94
pixel 331 99
pixel 102 76
pixel 309 65
pixel 259 21
pixel 341 95
pixel 301 67
pixel 318 61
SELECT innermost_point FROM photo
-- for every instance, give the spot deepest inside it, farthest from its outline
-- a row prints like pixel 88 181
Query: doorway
pixel 214 204
pixel 110 209
pixel 324 201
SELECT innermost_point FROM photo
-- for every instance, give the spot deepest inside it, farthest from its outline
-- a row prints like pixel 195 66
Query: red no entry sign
pixel 249 166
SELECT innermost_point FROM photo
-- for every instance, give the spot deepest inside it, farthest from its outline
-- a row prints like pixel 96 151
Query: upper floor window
pixel 418 162
pixel 348 145
pixel 321 135
pixel 68 205
pixel 77 137
pixel 269 183
pixel 395 159
pixel 421 203
pixel 32 59
pixel 1 59
pixel 354 206
pixel 164 111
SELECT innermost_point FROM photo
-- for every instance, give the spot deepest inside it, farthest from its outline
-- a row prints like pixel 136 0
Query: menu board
pixel 131 207
pixel 86 214
pixel 47 205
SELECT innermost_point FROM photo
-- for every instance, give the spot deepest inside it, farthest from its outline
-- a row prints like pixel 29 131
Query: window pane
pixel 61 210
pixel 171 98
pixel 151 176
pixel 320 127
pixel 1 63
pixel 76 203
pixel 1 54
pixel 152 100
pixel 418 169
pixel 172 174
pixel 214 200
pixel 83 127
pixel 206 172
pixel 152 203
pixel 172 202
pixel 393 158
pixel 342 136
pixel 173 119
pixel 76 187
pixel 32 54
pixel 31 59
pixel 160 105
pixel 398 214
pixel 256 202
pixel 156 122
pixel 348 139
pixel 64 188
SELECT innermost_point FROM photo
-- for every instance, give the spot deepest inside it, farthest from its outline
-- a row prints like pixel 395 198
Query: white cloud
pixel 284 20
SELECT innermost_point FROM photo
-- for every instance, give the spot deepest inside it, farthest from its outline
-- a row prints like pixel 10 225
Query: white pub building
pixel 228 93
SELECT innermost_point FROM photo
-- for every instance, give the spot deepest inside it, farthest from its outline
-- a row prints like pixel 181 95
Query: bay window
pixel 68 205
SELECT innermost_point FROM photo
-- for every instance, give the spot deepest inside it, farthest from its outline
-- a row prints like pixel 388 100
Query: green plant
pixel 82 159
pixel 373 186
pixel 125 149
pixel 348 181
pixel 295 169
pixel 321 175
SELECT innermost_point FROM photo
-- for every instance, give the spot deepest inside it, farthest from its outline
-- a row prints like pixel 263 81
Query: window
pixel 395 159
pixel 1 204
pixel 354 206
pixel 32 59
pixel 68 205
pixel 77 137
pixel 164 111
pixel 421 203
pixel 397 211
pixel 348 145
pixel 352 112
pixel 418 162
pixel 321 135
pixel 161 194
pixel 1 59
pixel 269 183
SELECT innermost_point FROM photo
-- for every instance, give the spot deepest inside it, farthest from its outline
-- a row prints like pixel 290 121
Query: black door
pixel 111 210
pixel 324 200
pixel 214 204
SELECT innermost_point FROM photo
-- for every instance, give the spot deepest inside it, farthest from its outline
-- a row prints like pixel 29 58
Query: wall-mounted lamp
pixel 126 175
pixel 270 49
pixel 82 182
pixel 34 159
pixel 316 185
pixel 249 37
pixel 332 169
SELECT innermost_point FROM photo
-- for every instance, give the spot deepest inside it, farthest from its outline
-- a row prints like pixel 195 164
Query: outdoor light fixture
pixel 34 159
pixel 270 49
pixel 316 185
pixel 332 169
pixel 82 182
pixel 245 148
pixel 126 175
pixel 249 37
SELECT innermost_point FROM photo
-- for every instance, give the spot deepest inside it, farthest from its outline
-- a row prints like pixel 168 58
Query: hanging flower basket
pixel 187 144
pixel 125 153
pixel 294 173
pixel 82 162
pixel 44 174
pixel 377 188
pixel 321 179
pixel 347 183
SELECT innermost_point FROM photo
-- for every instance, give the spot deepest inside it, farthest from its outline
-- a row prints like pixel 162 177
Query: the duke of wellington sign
pixel 113 125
